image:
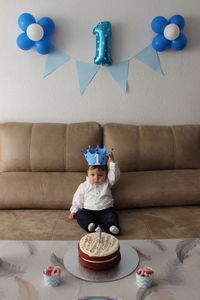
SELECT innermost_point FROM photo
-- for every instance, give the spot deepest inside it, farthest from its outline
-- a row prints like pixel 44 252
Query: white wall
pixel 151 98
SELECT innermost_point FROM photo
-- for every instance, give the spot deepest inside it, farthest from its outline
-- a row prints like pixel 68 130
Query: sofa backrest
pixel 140 148
pixel 55 147
pixel 49 147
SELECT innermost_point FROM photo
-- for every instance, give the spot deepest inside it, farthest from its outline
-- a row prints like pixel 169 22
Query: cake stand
pixel 129 262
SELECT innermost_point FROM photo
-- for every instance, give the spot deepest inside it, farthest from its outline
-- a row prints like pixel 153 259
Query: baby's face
pixel 96 176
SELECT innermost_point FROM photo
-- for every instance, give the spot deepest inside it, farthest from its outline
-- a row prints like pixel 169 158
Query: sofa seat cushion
pixel 141 223
pixel 160 223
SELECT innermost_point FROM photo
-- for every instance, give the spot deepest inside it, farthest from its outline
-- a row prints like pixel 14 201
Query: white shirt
pixel 96 197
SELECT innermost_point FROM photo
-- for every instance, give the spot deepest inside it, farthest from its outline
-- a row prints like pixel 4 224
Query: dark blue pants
pixel 105 218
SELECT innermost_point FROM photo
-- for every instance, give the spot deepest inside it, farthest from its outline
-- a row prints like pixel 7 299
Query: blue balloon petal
pixel 24 42
pixel 158 24
pixel 48 25
pixel 178 20
pixel 25 20
pixel 43 46
pixel 179 43
pixel 160 43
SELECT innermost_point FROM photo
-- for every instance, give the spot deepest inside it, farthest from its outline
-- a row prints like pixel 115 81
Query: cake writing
pixel 94 247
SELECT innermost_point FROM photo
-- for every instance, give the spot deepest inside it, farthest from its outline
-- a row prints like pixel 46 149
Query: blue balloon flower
pixel 169 33
pixel 35 33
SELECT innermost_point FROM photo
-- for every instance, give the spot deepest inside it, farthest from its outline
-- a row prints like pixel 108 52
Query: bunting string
pixel 118 71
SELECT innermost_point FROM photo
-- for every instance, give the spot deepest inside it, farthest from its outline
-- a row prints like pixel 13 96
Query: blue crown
pixel 96 156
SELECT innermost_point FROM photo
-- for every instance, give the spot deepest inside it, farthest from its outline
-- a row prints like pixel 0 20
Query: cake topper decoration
pixel 96 156
pixel 99 230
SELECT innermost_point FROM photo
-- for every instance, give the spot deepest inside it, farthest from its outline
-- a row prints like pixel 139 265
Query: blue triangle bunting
pixel 149 57
pixel 86 72
pixel 54 60
pixel 119 72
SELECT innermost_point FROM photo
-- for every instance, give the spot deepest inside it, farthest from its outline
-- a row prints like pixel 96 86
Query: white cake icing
pixel 100 261
pixel 92 247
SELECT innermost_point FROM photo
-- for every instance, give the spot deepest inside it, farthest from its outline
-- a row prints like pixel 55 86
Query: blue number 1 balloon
pixel 103 34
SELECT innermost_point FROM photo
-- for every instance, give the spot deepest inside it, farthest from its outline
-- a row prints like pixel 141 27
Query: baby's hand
pixel 111 157
pixel 71 216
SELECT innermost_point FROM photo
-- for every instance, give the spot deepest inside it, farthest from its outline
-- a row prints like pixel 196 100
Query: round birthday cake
pixel 99 254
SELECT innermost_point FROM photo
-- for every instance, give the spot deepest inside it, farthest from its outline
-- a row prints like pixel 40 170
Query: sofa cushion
pixel 157 188
pixel 46 147
pixel 140 148
pixel 52 190
pixel 140 223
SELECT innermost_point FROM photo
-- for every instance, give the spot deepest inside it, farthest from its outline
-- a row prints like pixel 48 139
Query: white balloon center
pixel 35 32
pixel 171 32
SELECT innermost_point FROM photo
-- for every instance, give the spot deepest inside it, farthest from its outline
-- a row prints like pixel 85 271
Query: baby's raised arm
pixel 111 157
pixel 113 172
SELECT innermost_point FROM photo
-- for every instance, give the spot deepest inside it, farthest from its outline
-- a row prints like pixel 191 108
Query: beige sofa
pixel 41 165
